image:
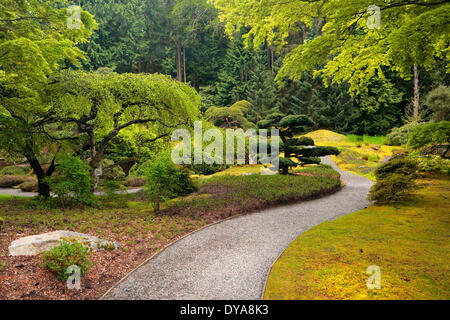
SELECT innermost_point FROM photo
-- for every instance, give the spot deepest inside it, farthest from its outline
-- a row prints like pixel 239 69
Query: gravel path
pixel 232 259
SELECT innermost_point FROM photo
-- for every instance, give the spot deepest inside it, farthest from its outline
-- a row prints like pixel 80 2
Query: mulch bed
pixel 24 277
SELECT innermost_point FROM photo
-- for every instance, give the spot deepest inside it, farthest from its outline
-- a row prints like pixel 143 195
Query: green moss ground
pixel 409 242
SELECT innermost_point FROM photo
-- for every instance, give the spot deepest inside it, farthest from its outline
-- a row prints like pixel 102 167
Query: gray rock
pixel 33 245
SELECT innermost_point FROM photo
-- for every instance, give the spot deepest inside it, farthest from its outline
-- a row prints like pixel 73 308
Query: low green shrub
pixel 402 166
pixel 305 141
pixel 434 163
pixel 2 266
pixel 399 136
pixel 111 187
pixel 206 169
pixel 2 223
pixel 374 158
pixel 15 171
pixel 430 134
pixel 71 182
pixel 166 181
pixel 9 181
pixel 65 255
pixel 392 188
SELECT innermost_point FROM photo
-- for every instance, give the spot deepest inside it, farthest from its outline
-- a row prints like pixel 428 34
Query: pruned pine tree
pixel 296 150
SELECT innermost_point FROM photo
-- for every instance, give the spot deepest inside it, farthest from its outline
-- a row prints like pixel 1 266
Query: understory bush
pixel 395 181
pixel 72 181
pixel 65 255
pixel 2 223
pixel 393 188
pixel 434 163
pixel 404 166
pixel 430 135
pixel 165 180
pixel 111 171
pixel 206 169
pixel 399 136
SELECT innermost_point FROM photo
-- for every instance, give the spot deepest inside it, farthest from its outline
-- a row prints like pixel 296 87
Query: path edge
pixel 156 254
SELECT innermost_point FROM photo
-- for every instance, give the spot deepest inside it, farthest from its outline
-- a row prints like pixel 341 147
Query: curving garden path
pixel 232 259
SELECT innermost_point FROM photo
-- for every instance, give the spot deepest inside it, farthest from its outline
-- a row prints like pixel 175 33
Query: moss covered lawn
pixel 409 242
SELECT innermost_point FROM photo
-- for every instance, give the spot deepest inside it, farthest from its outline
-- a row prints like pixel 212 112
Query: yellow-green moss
pixel 408 242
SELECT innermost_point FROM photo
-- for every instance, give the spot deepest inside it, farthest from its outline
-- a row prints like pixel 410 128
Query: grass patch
pixel 8 197
pixel 367 139
pixel 408 242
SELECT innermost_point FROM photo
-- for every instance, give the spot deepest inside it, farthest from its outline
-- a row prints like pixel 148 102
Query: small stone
pixel 36 244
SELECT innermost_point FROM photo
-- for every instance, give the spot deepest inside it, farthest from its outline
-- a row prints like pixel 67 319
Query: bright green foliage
pixel 231 117
pixel 429 135
pixel 60 258
pixel 165 180
pixel 434 163
pixel 72 183
pixel 438 101
pixel 2 225
pixel 412 32
pixel 298 148
pixel 138 108
pixel 35 42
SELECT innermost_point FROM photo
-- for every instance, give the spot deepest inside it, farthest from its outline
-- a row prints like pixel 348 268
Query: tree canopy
pixel 412 33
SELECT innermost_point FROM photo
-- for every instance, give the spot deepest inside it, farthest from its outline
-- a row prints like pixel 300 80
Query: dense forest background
pixel 186 40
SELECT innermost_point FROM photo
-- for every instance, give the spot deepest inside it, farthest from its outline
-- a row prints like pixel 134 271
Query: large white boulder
pixel 33 245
